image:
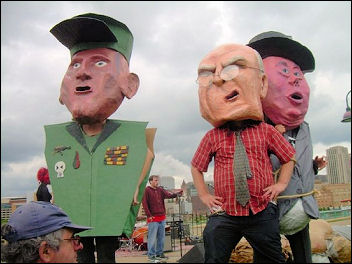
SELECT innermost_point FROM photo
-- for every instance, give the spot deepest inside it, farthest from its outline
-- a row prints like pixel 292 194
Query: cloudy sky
pixel 170 39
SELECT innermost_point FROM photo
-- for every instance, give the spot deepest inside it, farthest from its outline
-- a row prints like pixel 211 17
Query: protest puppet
pixel 98 166
pixel 232 84
pixel 285 106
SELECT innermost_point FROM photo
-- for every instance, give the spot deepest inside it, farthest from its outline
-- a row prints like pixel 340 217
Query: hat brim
pixel 77 228
pixel 82 29
pixel 286 48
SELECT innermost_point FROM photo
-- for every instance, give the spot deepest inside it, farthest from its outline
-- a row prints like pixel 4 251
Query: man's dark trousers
pixel 223 232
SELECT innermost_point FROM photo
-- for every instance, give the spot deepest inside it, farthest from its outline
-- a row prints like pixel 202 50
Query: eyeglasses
pixel 75 239
pixel 228 73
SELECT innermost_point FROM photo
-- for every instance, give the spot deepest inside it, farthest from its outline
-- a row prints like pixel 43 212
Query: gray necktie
pixel 242 171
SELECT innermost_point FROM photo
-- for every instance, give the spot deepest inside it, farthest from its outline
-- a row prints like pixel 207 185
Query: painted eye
pixel 229 72
pixel 204 78
pixel 297 74
pixel 285 70
pixel 100 63
pixel 76 65
pixel 205 74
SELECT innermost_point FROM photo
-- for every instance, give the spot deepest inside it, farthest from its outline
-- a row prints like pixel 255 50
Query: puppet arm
pixel 211 201
pixel 284 178
pixel 320 162
pixel 150 134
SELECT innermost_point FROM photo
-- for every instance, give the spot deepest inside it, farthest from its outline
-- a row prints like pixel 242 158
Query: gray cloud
pixel 170 40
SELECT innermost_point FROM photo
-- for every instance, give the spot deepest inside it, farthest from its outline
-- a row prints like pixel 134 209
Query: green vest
pixel 95 188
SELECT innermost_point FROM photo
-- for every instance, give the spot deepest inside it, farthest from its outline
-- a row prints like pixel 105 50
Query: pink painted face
pixel 231 85
pixel 95 84
pixel 287 98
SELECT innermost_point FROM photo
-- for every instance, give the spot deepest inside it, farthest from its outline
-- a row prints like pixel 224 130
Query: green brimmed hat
pixel 272 43
pixel 90 31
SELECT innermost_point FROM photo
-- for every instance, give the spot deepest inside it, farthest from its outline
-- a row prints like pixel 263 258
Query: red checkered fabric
pixel 219 143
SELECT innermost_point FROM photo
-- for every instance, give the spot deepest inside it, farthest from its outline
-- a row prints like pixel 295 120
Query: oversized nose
pixel 217 80
pixel 294 80
pixel 83 73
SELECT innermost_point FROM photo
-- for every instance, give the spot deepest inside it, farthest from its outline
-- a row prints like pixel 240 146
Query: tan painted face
pixel 94 84
pixel 231 85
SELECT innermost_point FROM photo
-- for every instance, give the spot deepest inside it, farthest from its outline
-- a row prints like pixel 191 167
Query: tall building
pixel 339 165
pixel 168 182
pixel 192 195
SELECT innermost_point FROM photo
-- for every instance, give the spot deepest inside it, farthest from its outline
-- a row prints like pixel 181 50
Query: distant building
pixel 10 204
pixel 192 196
pixel 339 165
pixel 167 181
pixel 184 188
pixel 186 207
pixel 321 179
pixel 333 195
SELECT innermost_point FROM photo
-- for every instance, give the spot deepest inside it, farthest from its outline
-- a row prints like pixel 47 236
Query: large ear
pixel 46 253
pixel 133 84
pixel 264 88
pixel 60 100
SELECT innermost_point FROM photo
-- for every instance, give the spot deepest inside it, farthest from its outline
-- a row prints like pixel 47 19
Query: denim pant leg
pixel 301 246
pixel 220 235
pixel 152 233
pixel 160 238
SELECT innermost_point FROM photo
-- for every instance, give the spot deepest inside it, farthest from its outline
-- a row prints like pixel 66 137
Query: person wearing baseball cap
pixel 285 106
pixel 40 232
pixel 98 166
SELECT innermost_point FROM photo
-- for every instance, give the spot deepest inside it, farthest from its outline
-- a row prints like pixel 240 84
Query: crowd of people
pixel 255 96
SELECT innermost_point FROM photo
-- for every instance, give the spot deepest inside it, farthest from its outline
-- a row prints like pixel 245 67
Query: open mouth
pixel 232 96
pixel 83 89
pixel 296 98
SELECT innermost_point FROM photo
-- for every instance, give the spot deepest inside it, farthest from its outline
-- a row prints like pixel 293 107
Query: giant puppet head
pixel 231 85
pixel 98 78
pixel 285 63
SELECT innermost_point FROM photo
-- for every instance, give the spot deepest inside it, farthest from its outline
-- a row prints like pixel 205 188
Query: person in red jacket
pixel 154 207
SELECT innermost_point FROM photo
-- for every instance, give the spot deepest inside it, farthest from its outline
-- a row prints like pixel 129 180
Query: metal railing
pixel 335 213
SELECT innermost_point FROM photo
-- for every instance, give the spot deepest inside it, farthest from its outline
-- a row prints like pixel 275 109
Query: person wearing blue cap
pixel 40 232
pixel 98 166
pixel 285 106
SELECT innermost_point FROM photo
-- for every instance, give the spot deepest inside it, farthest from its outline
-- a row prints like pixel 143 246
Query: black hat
pixel 272 43
pixel 89 31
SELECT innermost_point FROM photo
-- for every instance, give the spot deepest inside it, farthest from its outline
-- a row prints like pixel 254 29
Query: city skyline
pixel 166 183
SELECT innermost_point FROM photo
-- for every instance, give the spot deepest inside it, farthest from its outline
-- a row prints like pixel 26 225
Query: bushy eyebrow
pixel 100 57
pixel 282 63
pixel 235 60
pixel 206 67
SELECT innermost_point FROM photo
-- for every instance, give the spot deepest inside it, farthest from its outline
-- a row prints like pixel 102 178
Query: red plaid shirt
pixel 258 141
